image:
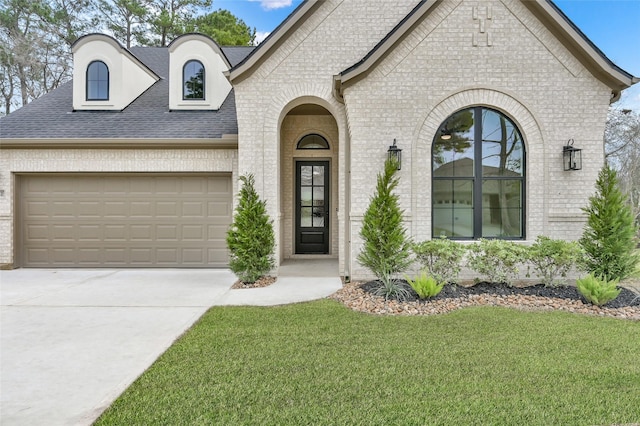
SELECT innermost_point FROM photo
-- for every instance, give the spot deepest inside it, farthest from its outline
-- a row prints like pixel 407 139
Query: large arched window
pixel 97 81
pixel 193 80
pixel 478 161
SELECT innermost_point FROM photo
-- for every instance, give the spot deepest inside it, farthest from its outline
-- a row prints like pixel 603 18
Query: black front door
pixel 312 207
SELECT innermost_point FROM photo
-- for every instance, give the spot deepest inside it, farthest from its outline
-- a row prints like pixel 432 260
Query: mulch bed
pixel 358 296
pixel 260 282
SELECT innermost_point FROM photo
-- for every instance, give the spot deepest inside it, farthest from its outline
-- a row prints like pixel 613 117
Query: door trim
pixel 324 233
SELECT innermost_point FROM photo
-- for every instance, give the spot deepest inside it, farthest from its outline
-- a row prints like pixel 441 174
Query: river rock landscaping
pixel 358 296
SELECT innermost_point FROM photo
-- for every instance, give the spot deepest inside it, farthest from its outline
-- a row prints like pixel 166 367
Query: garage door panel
pixel 119 221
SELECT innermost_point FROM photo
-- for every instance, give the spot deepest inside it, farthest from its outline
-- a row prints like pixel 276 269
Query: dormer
pixel 106 76
pixel 196 73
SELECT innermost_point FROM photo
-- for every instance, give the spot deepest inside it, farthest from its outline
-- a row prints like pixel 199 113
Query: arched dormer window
pixel 97 81
pixel 313 141
pixel 193 80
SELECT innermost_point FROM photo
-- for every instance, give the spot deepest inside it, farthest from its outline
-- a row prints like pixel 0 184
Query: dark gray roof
pixel 148 117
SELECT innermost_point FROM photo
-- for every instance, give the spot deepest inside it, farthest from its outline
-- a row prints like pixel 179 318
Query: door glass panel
pixel 501 208
pixel 318 217
pixel 305 217
pixel 318 196
pixel 306 172
pixel 318 175
pixel 305 196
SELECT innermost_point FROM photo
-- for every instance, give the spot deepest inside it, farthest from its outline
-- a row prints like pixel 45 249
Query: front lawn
pixel 322 364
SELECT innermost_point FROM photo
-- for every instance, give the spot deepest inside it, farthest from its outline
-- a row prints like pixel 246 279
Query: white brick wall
pixel 515 66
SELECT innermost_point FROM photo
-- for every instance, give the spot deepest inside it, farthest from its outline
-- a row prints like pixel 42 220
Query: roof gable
pixel 551 17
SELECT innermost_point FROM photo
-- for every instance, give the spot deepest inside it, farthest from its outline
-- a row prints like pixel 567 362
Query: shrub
pixel 250 238
pixel 598 290
pixel 440 257
pixel 425 285
pixel 553 258
pixel 496 260
pixel 609 236
pixel 386 248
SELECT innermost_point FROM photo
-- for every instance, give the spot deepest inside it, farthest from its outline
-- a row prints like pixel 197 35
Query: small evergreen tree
pixel 609 236
pixel 386 250
pixel 250 238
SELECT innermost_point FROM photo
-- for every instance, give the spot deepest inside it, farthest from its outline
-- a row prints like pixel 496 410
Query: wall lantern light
pixel 571 157
pixel 395 152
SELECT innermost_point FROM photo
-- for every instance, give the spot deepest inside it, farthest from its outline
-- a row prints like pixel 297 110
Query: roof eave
pixel 277 36
pixel 582 48
pixel 226 141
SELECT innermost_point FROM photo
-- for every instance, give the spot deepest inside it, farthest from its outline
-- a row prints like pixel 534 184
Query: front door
pixel 312 207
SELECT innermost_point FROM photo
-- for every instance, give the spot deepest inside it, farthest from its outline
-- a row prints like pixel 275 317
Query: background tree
pixel 622 147
pixel 251 239
pixel 170 18
pixel 225 28
pixel 609 235
pixel 128 20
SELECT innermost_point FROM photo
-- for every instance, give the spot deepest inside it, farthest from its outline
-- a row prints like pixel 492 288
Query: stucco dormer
pixel 196 73
pixel 106 76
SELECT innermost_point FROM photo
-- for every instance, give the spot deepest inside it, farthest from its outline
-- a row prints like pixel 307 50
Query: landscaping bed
pixel 358 296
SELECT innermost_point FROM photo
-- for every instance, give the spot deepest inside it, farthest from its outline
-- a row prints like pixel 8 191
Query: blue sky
pixel 612 25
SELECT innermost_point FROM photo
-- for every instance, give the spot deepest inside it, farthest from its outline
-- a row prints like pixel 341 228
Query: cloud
pixel 273 4
pixel 260 36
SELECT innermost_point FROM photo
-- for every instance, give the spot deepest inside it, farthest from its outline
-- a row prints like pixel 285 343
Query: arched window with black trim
pixel 312 141
pixel 193 80
pixel 478 160
pixel 97 81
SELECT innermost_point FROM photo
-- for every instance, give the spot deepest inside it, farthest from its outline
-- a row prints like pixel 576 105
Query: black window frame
pixel 88 81
pixel 313 148
pixel 184 82
pixel 478 177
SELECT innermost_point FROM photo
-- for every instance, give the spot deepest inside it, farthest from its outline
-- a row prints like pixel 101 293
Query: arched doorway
pixel 309 182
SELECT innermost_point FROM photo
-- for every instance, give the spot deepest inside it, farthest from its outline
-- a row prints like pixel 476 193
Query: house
pixel 135 163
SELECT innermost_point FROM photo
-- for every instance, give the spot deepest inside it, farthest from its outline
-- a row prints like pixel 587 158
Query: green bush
pixel 598 290
pixel 441 257
pixel 553 258
pixel 425 285
pixel 609 236
pixel 250 238
pixel 386 249
pixel 496 260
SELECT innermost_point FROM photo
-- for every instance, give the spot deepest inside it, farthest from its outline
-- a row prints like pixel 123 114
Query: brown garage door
pixel 142 220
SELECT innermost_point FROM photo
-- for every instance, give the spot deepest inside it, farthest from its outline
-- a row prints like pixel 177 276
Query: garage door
pixel 124 220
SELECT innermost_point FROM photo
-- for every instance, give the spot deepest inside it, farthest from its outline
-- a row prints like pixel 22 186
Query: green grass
pixel 319 363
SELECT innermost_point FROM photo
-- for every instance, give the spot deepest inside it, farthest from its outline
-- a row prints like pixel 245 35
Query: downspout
pixel 338 95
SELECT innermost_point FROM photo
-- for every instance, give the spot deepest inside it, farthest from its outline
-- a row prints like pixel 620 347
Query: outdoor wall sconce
pixel 571 157
pixel 395 152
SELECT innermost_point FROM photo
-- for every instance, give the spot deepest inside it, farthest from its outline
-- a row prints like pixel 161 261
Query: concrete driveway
pixel 72 340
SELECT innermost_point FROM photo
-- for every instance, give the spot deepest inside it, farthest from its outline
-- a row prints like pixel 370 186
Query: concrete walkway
pixel 72 340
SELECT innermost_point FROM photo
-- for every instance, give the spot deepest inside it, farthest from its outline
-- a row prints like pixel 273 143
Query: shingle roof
pixel 148 117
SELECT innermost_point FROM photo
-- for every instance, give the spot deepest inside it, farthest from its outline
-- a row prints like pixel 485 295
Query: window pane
pixel 502 153
pixel 193 80
pixel 97 81
pixel 453 149
pixel 313 142
pixel 305 217
pixel 318 196
pixel 453 207
pixel 502 208
pixel 305 175
pixel 305 196
pixel 318 217
pixel 318 175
